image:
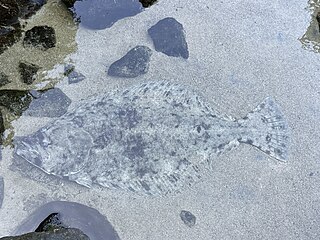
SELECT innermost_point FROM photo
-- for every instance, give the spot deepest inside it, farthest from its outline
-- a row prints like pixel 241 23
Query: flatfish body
pixel 151 139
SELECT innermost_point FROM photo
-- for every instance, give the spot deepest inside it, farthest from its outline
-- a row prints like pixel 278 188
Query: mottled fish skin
pixel 150 139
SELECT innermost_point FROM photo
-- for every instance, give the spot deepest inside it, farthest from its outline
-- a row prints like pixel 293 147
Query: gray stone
pixel 4 80
pixel 73 76
pixel 9 12
pixel 28 72
pixel 188 218
pixel 16 101
pixel 9 35
pixel 58 234
pixel 29 7
pixel 42 37
pixel 51 103
pixel 69 214
pixel 168 37
pixel 2 129
pixel 133 64
pixel 147 3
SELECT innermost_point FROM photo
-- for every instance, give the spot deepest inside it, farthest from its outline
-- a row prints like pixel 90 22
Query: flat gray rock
pixel 57 234
pixel 1 190
pixel 74 215
pixel 133 64
pixel 51 103
pixel 188 218
pixel 168 37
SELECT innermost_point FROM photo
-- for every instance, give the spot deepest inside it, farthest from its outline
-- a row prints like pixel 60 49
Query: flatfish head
pixel 60 150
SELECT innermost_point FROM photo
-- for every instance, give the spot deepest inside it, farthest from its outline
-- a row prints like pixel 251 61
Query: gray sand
pixel 240 53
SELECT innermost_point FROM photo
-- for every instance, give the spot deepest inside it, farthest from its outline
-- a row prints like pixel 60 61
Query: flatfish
pixel 152 139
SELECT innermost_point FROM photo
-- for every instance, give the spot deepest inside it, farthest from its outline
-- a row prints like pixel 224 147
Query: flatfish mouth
pixel 154 139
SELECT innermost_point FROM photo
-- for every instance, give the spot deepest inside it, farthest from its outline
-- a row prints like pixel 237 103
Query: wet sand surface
pixel 239 53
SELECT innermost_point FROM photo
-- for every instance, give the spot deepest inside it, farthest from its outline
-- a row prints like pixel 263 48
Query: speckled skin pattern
pixel 151 139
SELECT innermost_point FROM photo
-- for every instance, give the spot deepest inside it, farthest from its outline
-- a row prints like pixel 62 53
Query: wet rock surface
pixel 1 190
pixel 73 215
pixel 42 37
pixel 4 80
pixel 15 101
pixel 28 72
pixel 69 3
pixel 147 3
pixel 133 64
pixel 100 14
pixel 169 38
pixel 9 12
pixel 50 103
pixel 188 218
pixel 2 129
pixel 9 35
pixel 73 76
pixel 57 234
pixel 29 7
pixel 52 222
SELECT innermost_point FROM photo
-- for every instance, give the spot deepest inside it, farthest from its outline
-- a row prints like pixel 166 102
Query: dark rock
pixel 9 12
pixel 42 37
pixel 69 3
pixel 28 72
pixel 169 38
pixel 4 80
pixel 51 223
pixel 73 215
pixel 51 103
pixel 188 218
pixel 58 234
pixel 101 14
pixel 35 93
pixel 29 7
pixel 15 101
pixel 73 76
pixel 147 3
pixel 9 35
pixel 133 64
pixel 1 191
pixel 2 129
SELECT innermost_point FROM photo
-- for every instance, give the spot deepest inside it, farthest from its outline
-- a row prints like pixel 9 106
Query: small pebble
pixel 4 80
pixel 73 76
pixel 28 72
pixel 188 218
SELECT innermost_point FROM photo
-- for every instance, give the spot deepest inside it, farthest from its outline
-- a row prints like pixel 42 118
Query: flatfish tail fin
pixel 267 129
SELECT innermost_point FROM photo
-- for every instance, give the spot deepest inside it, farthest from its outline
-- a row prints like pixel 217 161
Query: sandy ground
pixel 240 53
